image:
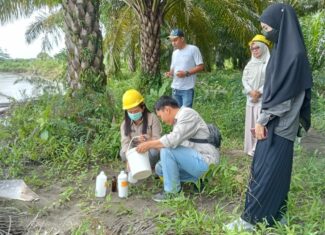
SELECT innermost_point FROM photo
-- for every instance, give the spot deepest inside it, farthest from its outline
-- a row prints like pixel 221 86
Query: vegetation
pixel 84 45
pixel 314 34
pixel 43 66
pixel 69 136
pixel 221 30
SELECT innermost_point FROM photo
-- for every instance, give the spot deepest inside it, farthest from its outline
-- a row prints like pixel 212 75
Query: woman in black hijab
pixel 285 105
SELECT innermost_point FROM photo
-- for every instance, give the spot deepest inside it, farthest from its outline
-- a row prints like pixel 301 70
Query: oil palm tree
pixel 121 36
pixel 83 37
pixel 234 23
pixel 151 15
pixel 196 22
pixel 50 25
pixel 205 22
pixel 83 40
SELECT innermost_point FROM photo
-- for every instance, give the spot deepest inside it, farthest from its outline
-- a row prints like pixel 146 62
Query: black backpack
pixel 214 137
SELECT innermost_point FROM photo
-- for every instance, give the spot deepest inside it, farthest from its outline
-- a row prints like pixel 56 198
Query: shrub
pixel 313 27
pixel 69 133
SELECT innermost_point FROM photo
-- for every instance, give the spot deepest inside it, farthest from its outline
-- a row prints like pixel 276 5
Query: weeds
pixel 71 138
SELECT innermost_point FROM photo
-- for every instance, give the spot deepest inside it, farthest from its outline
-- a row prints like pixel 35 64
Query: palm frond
pixel 48 25
pixel 11 10
pixel 121 36
pixel 196 24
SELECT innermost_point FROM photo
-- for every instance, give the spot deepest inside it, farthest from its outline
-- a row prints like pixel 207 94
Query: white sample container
pixel 139 164
pixel 101 181
pixel 122 185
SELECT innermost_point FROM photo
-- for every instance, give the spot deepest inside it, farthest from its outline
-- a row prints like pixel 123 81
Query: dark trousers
pixel 268 188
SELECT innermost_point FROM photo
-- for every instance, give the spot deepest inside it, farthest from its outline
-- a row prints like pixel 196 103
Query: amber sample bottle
pixel 114 184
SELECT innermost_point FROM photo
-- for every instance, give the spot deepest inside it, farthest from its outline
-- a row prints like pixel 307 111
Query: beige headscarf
pixel 265 53
pixel 254 72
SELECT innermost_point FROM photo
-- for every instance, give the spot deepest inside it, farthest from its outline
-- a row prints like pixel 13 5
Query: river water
pixel 12 88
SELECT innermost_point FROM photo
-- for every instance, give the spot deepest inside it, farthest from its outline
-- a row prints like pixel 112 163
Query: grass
pixel 72 138
pixel 305 214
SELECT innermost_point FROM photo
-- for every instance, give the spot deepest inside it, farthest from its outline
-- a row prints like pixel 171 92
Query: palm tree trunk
pixel 84 44
pixel 150 22
pixel 150 43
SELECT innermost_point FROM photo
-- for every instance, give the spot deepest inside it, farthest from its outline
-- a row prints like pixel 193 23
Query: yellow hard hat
pixel 260 38
pixel 131 98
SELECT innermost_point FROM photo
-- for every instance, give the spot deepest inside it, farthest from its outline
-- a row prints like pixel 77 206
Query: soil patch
pixel 314 142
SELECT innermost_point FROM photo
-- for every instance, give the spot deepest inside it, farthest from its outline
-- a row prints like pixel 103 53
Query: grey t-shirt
pixel 185 59
pixel 288 112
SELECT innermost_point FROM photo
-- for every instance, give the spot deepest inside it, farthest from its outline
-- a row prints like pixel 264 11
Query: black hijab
pixel 288 72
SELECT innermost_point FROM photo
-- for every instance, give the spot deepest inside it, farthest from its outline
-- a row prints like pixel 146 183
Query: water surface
pixel 13 89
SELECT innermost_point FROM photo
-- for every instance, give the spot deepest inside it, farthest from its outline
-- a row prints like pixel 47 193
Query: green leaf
pixel 45 135
pixel 234 168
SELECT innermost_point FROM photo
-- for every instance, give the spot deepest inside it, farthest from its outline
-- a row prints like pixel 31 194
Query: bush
pixel 313 27
pixel 68 133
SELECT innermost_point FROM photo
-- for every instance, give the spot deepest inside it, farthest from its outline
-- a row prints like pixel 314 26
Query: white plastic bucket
pixel 131 179
pixel 139 164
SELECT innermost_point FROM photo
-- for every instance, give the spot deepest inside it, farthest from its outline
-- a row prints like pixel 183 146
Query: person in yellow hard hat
pixel 253 82
pixel 260 38
pixel 140 123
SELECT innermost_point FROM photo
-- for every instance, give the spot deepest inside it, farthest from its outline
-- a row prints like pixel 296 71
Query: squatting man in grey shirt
pixel 180 159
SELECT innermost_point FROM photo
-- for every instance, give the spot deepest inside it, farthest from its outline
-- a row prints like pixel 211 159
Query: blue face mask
pixel 135 116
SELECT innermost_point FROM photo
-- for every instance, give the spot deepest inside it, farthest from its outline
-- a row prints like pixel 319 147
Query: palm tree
pixel 50 25
pixel 198 24
pixel 206 23
pixel 234 23
pixel 150 14
pixel 121 36
pixel 83 37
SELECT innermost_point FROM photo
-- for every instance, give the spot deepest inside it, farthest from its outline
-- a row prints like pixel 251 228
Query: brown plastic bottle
pixel 114 184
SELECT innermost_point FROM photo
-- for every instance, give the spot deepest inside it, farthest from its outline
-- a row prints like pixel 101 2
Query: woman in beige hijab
pixel 253 81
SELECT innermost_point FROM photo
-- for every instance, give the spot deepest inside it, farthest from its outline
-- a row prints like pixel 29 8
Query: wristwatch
pixel 187 73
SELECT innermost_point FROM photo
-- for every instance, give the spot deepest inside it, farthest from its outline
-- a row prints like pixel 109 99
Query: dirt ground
pixel 314 142
pixel 134 215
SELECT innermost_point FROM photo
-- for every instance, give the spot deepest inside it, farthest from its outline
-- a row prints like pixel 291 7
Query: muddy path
pixel 61 212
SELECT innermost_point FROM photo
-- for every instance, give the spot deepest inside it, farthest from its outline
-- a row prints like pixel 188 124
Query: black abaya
pixel 287 75
pixel 270 179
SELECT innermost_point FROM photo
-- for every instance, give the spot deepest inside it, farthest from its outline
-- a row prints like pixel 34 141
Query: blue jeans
pixel 184 97
pixel 153 157
pixel 180 164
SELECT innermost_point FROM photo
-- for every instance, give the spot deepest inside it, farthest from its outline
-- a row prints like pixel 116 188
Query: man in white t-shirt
pixel 186 62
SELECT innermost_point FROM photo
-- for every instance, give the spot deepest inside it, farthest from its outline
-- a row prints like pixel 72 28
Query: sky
pixel 12 40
